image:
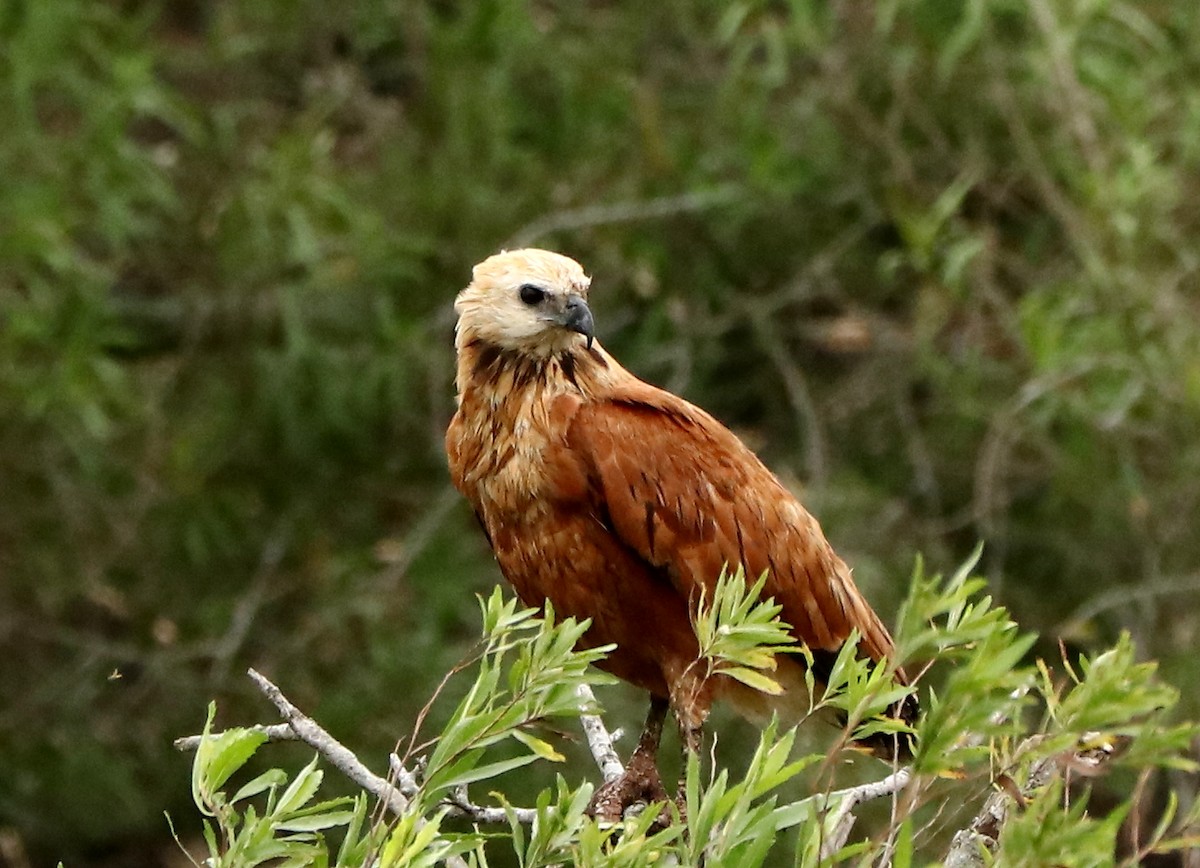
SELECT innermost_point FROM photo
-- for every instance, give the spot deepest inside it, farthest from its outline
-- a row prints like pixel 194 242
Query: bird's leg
pixel 640 781
pixel 691 738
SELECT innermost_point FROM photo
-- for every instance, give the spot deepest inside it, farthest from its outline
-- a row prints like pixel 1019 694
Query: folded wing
pixel 689 497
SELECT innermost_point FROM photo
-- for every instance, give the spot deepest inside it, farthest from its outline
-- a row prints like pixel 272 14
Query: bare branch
pixel 274 732
pixel 402 776
pixel 341 757
pixel 841 820
pixel 598 737
pixel 461 806
pixel 395 796
pixel 396 793
pixel 338 755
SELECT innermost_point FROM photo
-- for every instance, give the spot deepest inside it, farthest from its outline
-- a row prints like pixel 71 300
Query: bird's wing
pixel 689 497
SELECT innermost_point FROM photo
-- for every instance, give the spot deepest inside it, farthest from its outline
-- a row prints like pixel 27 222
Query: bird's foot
pixel 639 784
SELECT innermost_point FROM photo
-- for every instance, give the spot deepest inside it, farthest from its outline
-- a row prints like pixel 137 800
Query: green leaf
pixel 754 679
pixel 312 822
pixel 490 770
pixel 902 855
pixel 301 790
pixel 272 778
pixel 539 747
pixel 228 752
pixel 218 757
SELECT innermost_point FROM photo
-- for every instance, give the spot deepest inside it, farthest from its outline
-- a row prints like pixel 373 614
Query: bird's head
pixel 532 302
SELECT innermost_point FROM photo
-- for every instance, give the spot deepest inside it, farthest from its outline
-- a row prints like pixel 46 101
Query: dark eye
pixel 531 294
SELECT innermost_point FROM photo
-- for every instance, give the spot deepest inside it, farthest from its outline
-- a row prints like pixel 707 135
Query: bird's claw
pixel 639 784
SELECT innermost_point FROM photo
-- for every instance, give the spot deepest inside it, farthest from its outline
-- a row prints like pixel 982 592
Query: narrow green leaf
pixel 313 822
pixel 301 790
pixel 539 747
pixel 754 679
pixel 902 855
pixel 490 770
pixel 272 778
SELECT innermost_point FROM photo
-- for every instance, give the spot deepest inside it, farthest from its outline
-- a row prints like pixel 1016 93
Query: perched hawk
pixel 618 502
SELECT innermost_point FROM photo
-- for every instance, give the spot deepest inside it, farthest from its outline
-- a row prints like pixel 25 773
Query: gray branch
pixel 396 793
pixel 274 732
pixel 972 847
pixel 338 755
pixel 461 806
pixel 598 737
pixel 841 820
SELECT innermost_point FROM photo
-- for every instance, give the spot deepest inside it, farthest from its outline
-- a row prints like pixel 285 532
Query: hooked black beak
pixel 577 317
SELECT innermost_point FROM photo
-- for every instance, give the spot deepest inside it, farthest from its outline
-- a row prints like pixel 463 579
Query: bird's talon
pixel 636 788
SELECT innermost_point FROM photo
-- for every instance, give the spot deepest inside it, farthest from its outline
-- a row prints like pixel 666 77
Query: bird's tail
pixel 896 747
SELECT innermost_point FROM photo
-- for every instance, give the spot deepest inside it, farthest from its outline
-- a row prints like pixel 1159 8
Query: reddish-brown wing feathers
pixel 617 501
pixel 684 493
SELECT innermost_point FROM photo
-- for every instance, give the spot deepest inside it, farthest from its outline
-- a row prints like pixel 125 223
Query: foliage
pixel 738 634
pixel 289 826
pixel 935 261
pixel 737 817
pixel 540 677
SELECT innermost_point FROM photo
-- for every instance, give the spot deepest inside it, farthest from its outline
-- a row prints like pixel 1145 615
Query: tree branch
pixel 338 755
pixel 396 793
pixel 459 802
pixel 273 732
pixel 842 818
pixel 598 737
pixel 968 847
pixel 461 806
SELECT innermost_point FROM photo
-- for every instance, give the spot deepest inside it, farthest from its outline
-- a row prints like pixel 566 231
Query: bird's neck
pixel 510 406
pixel 493 374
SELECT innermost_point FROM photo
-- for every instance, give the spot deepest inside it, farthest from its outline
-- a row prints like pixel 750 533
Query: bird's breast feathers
pixel 506 447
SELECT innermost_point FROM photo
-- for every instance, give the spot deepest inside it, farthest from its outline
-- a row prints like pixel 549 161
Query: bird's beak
pixel 577 317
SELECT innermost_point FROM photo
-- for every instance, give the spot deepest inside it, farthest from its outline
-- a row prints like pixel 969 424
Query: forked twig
pixel 396 794
pixel 841 820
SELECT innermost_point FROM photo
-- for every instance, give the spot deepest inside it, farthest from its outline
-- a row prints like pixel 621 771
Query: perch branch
pixel 598 737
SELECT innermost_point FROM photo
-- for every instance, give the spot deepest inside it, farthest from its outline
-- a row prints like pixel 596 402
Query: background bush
pixel 935 260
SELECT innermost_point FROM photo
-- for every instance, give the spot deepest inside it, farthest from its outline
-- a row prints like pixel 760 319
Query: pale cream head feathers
pixel 531 301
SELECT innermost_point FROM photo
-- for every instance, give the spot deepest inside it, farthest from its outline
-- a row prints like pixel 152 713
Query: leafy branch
pixel 739 634
pixel 1104 711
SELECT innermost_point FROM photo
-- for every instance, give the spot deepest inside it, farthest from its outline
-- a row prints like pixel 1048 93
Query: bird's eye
pixel 531 294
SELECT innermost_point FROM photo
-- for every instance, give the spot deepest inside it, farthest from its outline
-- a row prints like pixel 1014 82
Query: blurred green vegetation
pixel 936 260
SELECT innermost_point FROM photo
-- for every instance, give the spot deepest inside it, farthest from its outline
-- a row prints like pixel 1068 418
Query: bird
pixel 622 503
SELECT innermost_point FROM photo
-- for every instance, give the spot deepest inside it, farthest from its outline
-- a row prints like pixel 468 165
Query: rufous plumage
pixel 619 502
